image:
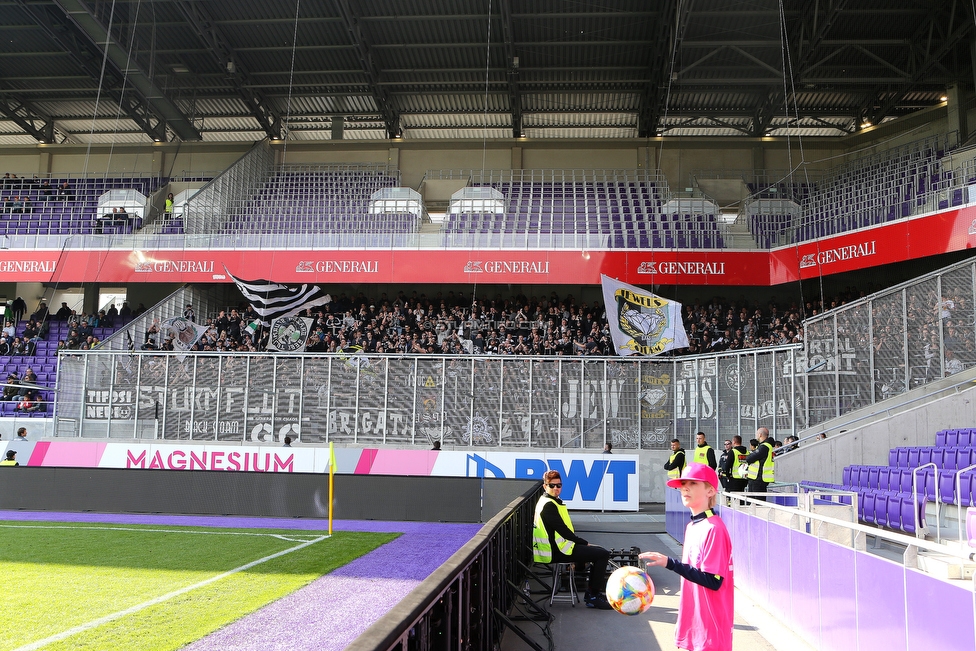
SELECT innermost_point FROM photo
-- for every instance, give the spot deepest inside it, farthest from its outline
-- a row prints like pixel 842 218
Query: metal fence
pixel 510 401
pixel 890 342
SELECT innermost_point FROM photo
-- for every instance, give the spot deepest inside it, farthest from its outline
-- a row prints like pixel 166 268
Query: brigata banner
pixel 590 481
pixel 907 239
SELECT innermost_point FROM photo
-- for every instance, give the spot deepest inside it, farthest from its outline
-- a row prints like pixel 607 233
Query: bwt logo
pixel 577 476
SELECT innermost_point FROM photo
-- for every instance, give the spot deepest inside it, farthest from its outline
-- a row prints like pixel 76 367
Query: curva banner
pixel 591 481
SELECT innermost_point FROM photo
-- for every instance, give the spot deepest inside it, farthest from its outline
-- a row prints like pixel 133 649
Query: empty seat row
pixel 950 458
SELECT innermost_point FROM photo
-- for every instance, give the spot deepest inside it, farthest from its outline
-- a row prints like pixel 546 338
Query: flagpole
pixel 332 463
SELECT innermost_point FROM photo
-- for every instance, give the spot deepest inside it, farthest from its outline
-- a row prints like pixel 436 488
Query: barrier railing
pixel 463 604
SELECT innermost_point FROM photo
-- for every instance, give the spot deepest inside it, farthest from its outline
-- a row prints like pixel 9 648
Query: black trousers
pixel 600 558
pixel 757 486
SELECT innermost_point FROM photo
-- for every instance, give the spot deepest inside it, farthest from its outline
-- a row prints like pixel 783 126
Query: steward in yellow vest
pixel 555 541
pixel 761 468
pixel 704 453
pixel 676 462
pixel 10 460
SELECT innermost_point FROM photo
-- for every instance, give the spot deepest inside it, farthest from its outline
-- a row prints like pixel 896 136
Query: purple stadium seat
pixel 913 456
pixel 939 457
pixel 873 474
pixel 966 438
pixel 947 487
pixel 893 457
pixel 847 475
pixel 902 461
pixel 940 437
pixel 869 502
pixel 924 456
pixel 884 475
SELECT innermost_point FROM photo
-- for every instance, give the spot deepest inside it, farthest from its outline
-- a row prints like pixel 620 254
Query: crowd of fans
pixel 460 324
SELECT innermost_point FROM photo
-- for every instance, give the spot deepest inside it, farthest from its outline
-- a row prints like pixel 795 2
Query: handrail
pixel 392 627
pixel 743 499
pixel 915 502
pixel 959 496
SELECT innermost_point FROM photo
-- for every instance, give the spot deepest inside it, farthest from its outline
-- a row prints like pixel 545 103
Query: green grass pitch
pixel 79 586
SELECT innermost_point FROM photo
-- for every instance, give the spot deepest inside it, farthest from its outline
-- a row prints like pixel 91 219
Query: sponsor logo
pixel 27 266
pixel 338 266
pixel 507 266
pixel 829 256
pixel 175 266
pixel 972 228
pixel 690 268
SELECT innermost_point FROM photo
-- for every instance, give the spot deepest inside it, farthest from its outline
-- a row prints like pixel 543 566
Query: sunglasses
pixel 555 485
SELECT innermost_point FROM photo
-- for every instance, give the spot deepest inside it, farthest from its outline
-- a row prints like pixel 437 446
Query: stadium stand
pixel 70 205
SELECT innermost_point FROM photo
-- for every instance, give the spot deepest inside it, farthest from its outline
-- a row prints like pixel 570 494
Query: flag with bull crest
pixel 642 323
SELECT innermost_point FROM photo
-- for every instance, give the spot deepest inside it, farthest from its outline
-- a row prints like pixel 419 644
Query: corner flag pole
pixel 332 464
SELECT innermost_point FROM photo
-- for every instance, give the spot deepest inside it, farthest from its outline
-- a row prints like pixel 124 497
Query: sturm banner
pixel 590 481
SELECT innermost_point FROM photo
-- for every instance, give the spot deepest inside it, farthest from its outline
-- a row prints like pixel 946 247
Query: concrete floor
pixel 586 629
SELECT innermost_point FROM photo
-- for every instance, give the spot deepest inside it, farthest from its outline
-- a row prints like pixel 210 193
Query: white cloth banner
pixel 183 332
pixel 641 323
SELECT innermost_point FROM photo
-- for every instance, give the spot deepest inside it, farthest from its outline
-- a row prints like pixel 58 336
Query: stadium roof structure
pixel 127 71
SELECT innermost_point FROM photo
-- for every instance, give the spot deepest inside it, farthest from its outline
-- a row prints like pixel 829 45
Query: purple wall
pixel 839 599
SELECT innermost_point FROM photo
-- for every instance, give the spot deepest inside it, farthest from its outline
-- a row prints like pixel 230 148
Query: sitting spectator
pixel 5 346
pixel 65 193
pixel 46 190
pixel 63 312
pixel 30 377
pixel 12 387
pixel 18 347
pixel 8 330
pixel 30 330
pixel 125 311
pixel 41 314
pixel 28 403
pixel 84 329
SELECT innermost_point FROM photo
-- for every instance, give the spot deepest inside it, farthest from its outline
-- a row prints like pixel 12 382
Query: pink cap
pixel 696 472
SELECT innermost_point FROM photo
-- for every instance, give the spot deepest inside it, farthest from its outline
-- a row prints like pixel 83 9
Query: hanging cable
pixel 484 133
pixel 291 81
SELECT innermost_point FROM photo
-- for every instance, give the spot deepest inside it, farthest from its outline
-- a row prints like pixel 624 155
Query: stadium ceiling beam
pixel 24 115
pixel 766 111
pixel 670 31
pixel 956 29
pixel 62 22
pixel 816 22
pixel 384 102
pixel 512 60
pixel 200 20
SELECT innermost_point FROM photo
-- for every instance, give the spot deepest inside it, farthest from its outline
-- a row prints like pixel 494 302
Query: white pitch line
pixel 199 533
pixel 81 628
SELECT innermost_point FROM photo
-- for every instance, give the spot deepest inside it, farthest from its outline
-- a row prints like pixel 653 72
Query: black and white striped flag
pixel 273 300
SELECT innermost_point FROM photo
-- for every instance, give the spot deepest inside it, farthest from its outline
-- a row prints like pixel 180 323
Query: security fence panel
pixel 231 407
pixel 484 425
pixel 458 396
pixel 287 398
pixel 400 388
pixel 260 400
pixel 544 403
pixel 888 341
pixel 599 401
pixel 206 397
pixel 343 394
pixel 316 416
pixel 516 396
pixel 571 403
pixel 98 397
pixel 924 310
pixel 655 393
pixel 125 388
pixel 178 385
pixel 152 404
pixel 428 409
pixel 624 421
pixel 784 361
pixel 728 387
pixel 748 408
pixel 957 318
pixel 851 361
pixel 818 369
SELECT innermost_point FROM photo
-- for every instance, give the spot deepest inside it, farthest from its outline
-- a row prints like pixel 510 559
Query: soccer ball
pixel 630 591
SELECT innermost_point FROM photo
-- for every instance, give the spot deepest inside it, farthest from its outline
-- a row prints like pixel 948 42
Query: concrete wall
pixel 868 444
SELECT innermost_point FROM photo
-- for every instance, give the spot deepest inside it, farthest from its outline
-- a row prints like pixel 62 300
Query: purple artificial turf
pixel 332 611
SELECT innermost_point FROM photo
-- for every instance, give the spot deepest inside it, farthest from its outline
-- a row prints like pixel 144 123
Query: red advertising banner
pixel 918 237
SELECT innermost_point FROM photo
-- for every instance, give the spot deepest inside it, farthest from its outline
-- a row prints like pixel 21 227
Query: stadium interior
pixel 461 179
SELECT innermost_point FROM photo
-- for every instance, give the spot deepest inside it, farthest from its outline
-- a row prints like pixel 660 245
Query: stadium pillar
pixel 44 163
pixel 338 124
pixel 516 158
pixel 91 299
pixel 394 158
pixel 956 112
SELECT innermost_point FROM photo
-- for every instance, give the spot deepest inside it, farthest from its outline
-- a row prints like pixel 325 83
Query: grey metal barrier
pixel 509 401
